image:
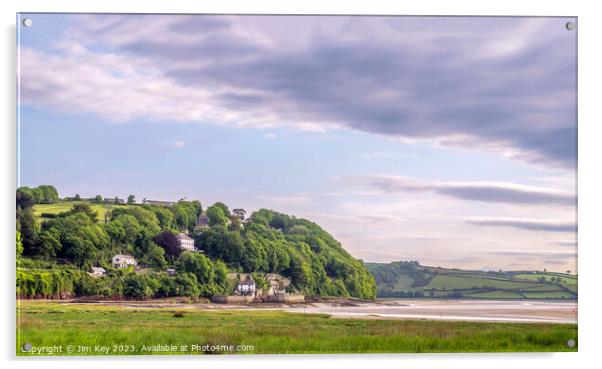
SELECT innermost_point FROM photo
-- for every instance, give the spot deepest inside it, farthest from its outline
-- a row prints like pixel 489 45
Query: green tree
pixel 131 199
pixel 216 216
pixel 30 230
pixel 47 194
pixel 80 238
pixel 19 245
pixel 98 199
pixel 155 256
pixel 25 198
pixel 82 208
pixel 199 265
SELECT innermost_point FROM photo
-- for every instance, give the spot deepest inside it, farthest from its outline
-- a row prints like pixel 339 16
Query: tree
pixel 25 197
pixel 216 216
pixel 50 243
pixel 219 243
pixel 77 197
pixel 82 208
pixel 139 287
pixel 131 199
pixel 116 200
pixel 98 199
pixel 124 230
pixel 199 265
pixel 155 256
pixel 81 240
pixel 48 194
pixel 164 215
pixel 19 245
pixel 169 242
pixel 29 228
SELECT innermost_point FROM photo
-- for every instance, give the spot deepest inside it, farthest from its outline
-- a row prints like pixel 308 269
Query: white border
pixel 590 184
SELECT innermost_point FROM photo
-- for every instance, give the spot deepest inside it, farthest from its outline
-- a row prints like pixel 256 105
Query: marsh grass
pixel 274 332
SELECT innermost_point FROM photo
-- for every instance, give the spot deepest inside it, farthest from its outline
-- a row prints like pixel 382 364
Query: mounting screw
pixel 570 343
pixel 27 22
pixel 26 347
pixel 570 26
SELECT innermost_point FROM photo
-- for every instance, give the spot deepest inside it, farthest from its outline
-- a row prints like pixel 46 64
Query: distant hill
pixel 410 279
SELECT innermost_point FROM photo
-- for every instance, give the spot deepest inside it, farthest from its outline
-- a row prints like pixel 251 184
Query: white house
pixel 186 243
pixel 97 271
pixel 123 261
pixel 246 287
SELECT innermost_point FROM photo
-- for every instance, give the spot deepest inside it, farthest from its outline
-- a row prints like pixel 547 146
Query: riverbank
pixel 141 328
pixel 516 311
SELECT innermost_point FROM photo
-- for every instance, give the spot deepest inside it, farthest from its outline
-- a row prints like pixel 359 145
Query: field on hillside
pixel 83 329
pixel 406 279
pixel 40 209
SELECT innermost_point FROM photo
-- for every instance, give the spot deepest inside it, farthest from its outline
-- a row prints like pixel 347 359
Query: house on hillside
pixel 113 200
pixel 276 284
pixel 202 221
pixel 146 201
pixel 245 287
pixel 124 261
pixel 186 242
pixel 171 271
pixel 97 271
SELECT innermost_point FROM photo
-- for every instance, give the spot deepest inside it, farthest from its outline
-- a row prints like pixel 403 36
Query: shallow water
pixel 469 310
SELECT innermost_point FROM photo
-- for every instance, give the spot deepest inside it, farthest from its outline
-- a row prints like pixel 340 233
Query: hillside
pixel 58 241
pixel 410 279
pixel 48 211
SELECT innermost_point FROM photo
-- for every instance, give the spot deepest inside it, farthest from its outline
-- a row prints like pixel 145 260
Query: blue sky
pixel 446 140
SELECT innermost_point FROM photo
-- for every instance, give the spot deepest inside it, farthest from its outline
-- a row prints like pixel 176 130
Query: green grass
pixel 547 294
pixel 270 332
pixel 400 279
pixel 63 206
pixel 495 295
pixel 464 282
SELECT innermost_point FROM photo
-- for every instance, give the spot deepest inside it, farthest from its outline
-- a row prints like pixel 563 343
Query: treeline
pixel 389 274
pixel 272 242
pixel 267 242
pixel 43 194
pixel 197 276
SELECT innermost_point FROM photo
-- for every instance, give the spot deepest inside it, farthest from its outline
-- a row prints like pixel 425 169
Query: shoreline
pixel 516 311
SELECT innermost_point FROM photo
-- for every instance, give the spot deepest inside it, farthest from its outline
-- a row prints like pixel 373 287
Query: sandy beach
pixel 517 311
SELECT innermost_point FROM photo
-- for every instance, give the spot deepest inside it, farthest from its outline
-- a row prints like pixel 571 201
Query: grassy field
pixel 86 328
pixel 394 281
pixel 63 206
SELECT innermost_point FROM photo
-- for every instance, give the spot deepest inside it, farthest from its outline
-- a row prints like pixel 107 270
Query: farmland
pixel 409 279
pixel 128 330
pixel 45 211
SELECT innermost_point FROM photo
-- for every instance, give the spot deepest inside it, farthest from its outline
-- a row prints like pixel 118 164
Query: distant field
pixel 406 279
pixel 63 206
pixel 125 331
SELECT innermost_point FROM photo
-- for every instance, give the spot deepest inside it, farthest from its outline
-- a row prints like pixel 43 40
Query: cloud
pixel 495 192
pixel 500 84
pixel 527 224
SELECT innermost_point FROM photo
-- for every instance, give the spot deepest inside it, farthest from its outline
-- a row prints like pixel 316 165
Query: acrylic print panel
pixel 233 184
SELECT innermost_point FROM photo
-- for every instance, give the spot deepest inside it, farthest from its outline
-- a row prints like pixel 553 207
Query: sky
pixel 447 140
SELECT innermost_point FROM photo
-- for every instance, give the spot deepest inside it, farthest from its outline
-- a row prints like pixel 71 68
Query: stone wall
pixel 232 299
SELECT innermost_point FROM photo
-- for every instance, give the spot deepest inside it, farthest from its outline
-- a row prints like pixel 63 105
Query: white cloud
pixel 501 85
